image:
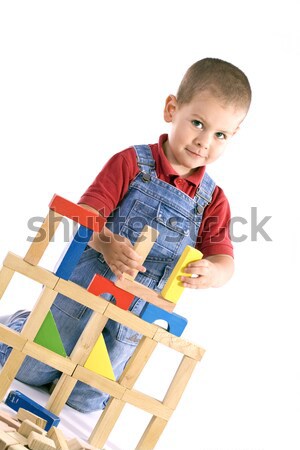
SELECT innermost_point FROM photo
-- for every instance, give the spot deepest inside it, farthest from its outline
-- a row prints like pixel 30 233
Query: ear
pixel 170 108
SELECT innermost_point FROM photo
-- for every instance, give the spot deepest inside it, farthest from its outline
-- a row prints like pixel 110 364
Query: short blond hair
pixel 222 78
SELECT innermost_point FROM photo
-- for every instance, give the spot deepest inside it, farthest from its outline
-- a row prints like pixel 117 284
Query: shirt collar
pixel 168 170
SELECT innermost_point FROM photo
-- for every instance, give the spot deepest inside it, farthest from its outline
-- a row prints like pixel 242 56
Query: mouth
pixel 195 154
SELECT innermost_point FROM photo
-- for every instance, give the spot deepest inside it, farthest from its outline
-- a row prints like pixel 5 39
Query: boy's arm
pixel 213 271
pixel 117 250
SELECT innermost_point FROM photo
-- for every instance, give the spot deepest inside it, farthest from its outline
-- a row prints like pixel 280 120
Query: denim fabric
pixel 150 201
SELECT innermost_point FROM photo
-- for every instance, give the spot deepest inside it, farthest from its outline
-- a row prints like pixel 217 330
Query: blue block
pixel 16 400
pixel 176 324
pixel 73 253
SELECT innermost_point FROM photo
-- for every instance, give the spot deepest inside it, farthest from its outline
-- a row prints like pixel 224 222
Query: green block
pixel 48 336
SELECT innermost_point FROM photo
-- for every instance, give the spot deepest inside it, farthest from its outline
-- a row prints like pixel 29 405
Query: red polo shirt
pixel 112 183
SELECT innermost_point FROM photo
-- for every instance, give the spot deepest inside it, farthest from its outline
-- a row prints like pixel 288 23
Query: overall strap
pixel 145 161
pixel 204 193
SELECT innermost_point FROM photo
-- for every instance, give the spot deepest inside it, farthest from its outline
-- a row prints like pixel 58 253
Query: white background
pixel 82 80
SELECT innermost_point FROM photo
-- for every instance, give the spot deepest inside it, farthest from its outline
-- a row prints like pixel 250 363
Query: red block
pixel 100 285
pixel 77 213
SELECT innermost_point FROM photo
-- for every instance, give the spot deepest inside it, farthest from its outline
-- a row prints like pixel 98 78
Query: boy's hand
pixel 214 271
pixel 121 257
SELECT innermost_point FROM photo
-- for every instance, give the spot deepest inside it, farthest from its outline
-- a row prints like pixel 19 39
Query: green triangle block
pixel 49 337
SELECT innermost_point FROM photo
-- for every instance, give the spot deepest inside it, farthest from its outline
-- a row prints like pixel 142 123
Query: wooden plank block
pixel 147 403
pixel 36 273
pixel 99 382
pixel 10 421
pixel 100 285
pixel 81 295
pixel 6 440
pixel 43 237
pixel 130 320
pixel 106 422
pixel 24 414
pixel 61 393
pixel 58 437
pixel 5 427
pixel 38 313
pixel 72 253
pixel 48 336
pixel 10 370
pixel 98 360
pixel 176 323
pixel 77 213
pixel 152 434
pixel 143 245
pixel 173 288
pixel 38 442
pixel 16 400
pixel 17 447
pixel 18 437
pixel 79 444
pixel 12 338
pixel 6 275
pixel 179 382
pixel 141 291
pixel 48 357
pixel 27 427
pixel 137 362
pixel 179 344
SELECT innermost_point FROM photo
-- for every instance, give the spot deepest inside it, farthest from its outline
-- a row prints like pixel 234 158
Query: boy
pixel 166 186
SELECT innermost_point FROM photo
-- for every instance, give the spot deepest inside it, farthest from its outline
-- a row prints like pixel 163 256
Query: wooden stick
pixel 36 273
pixel 10 370
pixel 179 344
pixel 141 291
pixel 49 357
pixel 43 237
pixel 143 245
pixel 12 338
pixel 152 433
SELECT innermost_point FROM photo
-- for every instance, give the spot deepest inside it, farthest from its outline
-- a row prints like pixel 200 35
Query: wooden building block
pixel 100 285
pixel 98 360
pixel 10 421
pixel 179 344
pixel 48 336
pixel 10 370
pixel 17 399
pixel 5 427
pixel 99 382
pixel 27 427
pixel 17 447
pixel 6 440
pixel 176 323
pixel 36 273
pixel 43 237
pixel 72 254
pixel 12 338
pixel 143 245
pixel 152 433
pixel 18 437
pixel 24 414
pixel 141 291
pixel 46 356
pixel 38 442
pixel 77 213
pixel 58 437
pixel 79 444
pixel 173 287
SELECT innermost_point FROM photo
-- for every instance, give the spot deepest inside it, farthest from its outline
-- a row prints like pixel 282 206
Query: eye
pixel 220 135
pixel 197 124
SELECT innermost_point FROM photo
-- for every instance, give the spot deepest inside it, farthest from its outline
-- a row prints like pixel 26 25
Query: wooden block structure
pixel 74 367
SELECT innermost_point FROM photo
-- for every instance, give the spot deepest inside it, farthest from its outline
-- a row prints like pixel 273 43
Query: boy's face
pixel 200 130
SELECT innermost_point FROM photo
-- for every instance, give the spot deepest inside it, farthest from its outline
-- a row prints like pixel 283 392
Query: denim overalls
pixel 150 201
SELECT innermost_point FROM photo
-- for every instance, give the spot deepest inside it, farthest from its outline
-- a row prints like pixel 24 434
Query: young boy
pixel 166 186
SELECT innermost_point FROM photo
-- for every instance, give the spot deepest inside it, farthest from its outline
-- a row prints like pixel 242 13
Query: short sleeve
pixel 112 183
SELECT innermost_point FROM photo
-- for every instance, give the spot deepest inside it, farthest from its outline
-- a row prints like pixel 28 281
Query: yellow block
pixel 173 288
pixel 99 361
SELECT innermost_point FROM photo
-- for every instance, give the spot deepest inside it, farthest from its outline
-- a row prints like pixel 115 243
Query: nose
pixel 203 140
